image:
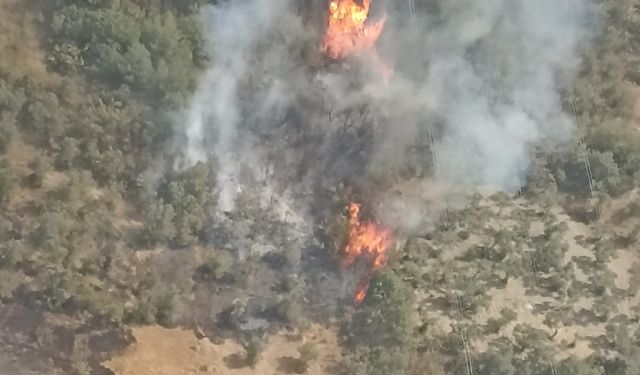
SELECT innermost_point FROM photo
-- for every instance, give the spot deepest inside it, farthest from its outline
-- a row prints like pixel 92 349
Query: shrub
pixel 7 181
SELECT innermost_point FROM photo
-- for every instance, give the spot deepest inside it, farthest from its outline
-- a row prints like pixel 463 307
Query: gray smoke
pixel 235 31
pixel 483 78
pixel 497 67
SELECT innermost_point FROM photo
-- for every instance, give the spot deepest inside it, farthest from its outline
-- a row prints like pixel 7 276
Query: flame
pixel 347 31
pixel 366 240
pixel 361 290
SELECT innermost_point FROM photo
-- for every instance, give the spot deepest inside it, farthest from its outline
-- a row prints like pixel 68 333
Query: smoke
pixel 235 31
pixel 476 84
pixel 497 68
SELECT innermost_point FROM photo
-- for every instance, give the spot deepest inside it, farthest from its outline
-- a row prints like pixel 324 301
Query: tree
pixel 495 363
pixel 384 317
pixel 253 350
pixel 189 194
pixel 158 224
pixel 7 133
pixel 216 265
pixel 39 167
pixel 308 353
pixel 606 172
pixel 157 52
pixel 9 282
pixel 7 181
pixel 44 113
pixel 12 252
pixel 11 102
pixel 68 153
pixel 574 366
pixel 429 363
pixel 375 360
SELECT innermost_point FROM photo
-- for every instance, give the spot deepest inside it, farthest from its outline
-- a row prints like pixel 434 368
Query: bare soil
pixel 162 351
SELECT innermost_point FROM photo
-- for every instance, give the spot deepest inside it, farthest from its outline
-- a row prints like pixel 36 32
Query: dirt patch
pixel 623 263
pixel 162 351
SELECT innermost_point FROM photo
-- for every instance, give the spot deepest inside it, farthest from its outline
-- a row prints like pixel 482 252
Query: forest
pixel 101 231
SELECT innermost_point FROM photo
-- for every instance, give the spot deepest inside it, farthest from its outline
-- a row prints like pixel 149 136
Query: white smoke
pixel 234 30
pixel 502 98
pixel 486 76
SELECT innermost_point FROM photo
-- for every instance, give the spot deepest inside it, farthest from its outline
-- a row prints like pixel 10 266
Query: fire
pixel 361 290
pixel 367 240
pixel 347 31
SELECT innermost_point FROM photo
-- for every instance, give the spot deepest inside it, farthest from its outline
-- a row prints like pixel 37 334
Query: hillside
pixel 181 183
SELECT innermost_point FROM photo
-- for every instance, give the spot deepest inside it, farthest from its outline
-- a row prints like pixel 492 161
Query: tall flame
pixel 366 240
pixel 347 31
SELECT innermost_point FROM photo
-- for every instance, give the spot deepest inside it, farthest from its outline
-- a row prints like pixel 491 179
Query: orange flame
pixel 347 31
pixel 361 290
pixel 366 239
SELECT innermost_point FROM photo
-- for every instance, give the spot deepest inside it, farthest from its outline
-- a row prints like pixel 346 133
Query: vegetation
pixel 93 225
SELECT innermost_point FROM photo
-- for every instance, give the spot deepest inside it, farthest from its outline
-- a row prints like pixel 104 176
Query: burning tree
pixel 347 29
pixel 368 241
pixel 349 32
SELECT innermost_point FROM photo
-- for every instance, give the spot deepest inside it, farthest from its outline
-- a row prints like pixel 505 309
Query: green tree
pixel 158 224
pixel 253 350
pixel 9 283
pixel 189 194
pixel 39 169
pixel 384 318
pixel 67 154
pixel 606 172
pixel 7 181
pixel 44 113
pixel 574 366
pixel 494 363
pixel 7 133
pixel 375 360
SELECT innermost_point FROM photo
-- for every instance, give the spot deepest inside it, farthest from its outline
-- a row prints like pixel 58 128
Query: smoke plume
pixel 476 85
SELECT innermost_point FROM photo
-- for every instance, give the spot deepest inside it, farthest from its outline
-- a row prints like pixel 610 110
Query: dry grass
pixel 161 351
pixel 20 41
